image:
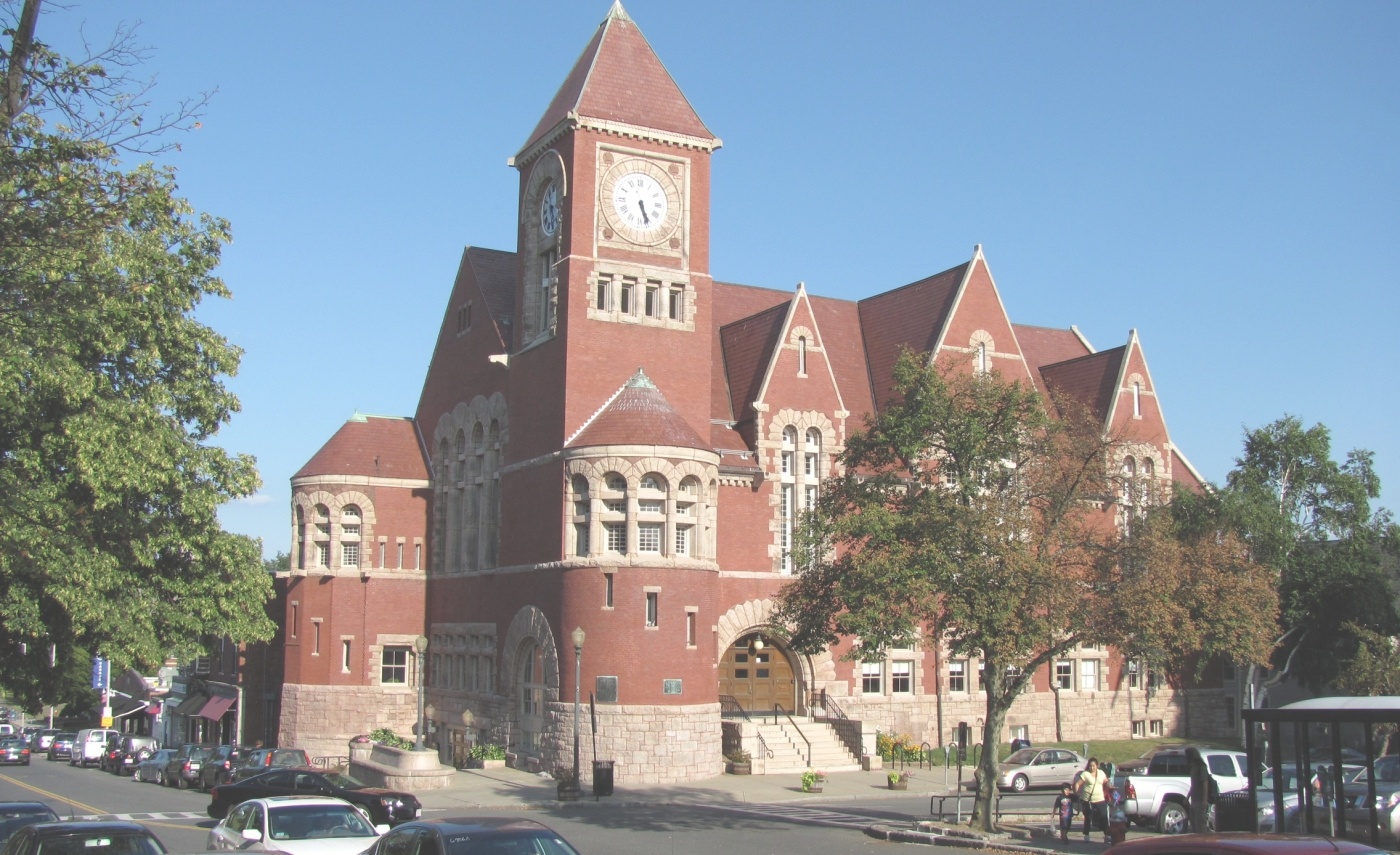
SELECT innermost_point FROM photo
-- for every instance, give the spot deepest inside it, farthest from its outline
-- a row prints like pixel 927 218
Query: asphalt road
pixel 178 817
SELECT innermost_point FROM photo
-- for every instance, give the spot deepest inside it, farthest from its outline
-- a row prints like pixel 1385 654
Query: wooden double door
pixel 757 673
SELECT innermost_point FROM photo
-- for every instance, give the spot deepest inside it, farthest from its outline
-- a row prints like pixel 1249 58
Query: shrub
pixel 810 778
pixel 385 736
pixel 738 755
pixel 487 751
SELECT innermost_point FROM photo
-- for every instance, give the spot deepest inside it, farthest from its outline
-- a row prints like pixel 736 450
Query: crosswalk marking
pixel 806 815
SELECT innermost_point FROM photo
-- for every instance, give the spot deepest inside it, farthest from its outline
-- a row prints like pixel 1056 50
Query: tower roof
pixel 374 446
pixel 618 80
pixel 638 414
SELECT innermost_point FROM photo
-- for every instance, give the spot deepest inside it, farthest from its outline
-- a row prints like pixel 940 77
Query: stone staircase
pixel 785 740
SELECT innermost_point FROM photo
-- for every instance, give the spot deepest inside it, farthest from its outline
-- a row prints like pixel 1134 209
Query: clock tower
pixel 613 260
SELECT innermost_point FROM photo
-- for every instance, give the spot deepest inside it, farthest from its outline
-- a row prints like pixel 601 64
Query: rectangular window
pixel 649 537
pixel 1154 727
pixel 1230 713
pixel 600 295
pixel 581 539
pixel 1021 731
pixel 345 656
pixel 316 639
pixel 615 506
pixel 957 675
pixel 607 590
pixel 810 498
pixel 399 562
pixel 871 678
pixel 809 464
pixel 382 545
pixel 349 555
pixel 627 304
pixel 653 300
pixel 1088 675
pixel 350 531
pixel 323 555
pixel 1064 674
pixel 690 628
pixel 651 506
pixel 394 667
pixel 294 623
pixel 417 556
pixel 653 607
pixel 1227 672
pixel 676 305
pixel 617 537
pixel 787 462
pixel 1139 728
pixel 682 540
pixel 901 677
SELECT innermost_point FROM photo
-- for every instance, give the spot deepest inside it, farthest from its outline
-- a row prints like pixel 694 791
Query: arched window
pixel 350 518
pixel 652 499
pixel 981 357
pixel 301 537
pixel 1137 400
pixel 802 355
pixel 530 702
pixel 578 486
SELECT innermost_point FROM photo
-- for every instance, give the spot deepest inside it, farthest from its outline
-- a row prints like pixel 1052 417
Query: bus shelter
pixel 1312 749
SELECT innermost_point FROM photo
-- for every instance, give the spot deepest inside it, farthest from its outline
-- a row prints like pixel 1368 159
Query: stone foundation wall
pixel 322 719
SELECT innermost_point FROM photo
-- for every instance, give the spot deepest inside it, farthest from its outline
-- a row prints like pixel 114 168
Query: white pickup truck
pixel 1159 796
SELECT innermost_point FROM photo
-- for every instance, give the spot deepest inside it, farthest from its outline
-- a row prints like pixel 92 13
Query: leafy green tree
pixel 1309 519
pixel 110 390
pixel 967 515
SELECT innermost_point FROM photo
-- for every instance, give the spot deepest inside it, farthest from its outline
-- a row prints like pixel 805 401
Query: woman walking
pixel 1091 786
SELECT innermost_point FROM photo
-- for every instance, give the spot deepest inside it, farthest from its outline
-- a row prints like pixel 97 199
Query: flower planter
pixel 899 785
pixel 738 768
pixel 569 793
pixel 812 788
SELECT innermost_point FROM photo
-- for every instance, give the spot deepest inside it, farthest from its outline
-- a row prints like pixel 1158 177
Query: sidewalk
pixel 513 789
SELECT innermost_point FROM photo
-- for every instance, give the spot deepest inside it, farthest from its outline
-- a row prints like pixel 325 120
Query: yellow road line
pixel 55 796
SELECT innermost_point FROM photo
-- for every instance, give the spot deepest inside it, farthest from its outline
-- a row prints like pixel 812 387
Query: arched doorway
pixel 757 672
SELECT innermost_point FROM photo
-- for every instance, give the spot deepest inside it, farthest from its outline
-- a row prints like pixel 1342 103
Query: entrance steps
pixel 790 749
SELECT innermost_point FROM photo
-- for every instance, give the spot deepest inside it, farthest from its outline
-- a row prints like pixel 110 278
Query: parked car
pixel 153 768
pixel 40 741
pixel 183 768
pixel 295 825
pixel 260 760
pixel 385 807
pixel 218 769
pixel 14 751
pixel 89 745
pixel 16 815
pixel 88 838
pixel 1239 843
pixel 1160 795
pixel 125 751
pixel 1292 819
pixel 472 835
pixel 62 745
pixel 1387 786
pixel 1038 767
pixel 1138 765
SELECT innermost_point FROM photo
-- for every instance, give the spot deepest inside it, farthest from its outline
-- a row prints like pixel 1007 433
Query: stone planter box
pixel 899 785
pixel 870 762
pixel 738 768
pixel 474 763
pixel 401 769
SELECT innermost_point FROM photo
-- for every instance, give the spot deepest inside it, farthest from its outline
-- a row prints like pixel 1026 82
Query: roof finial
pixel 640 380
pixel 617 12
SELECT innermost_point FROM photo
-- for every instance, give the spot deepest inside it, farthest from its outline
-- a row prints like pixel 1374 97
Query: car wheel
pixel 1171 819
pixel 180 782
pixel 160 779
pixel 1019 783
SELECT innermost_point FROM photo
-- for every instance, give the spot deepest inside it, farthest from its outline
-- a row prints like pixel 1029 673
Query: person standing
pixel 1091 786
pixel 1202 793
pixel 1064 810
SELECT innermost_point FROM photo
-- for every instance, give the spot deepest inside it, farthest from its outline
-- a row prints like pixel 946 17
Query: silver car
pixel 1038 767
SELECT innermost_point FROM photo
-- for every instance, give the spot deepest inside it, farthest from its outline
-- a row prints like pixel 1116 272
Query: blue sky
pixel 1223 177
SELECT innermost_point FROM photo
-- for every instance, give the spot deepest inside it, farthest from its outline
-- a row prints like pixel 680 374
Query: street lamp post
pixel 577 636
pixel 420 644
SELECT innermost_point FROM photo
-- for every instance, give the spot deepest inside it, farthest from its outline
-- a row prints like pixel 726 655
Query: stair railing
pixel 778 708
pixel 729 707
pixel 833 710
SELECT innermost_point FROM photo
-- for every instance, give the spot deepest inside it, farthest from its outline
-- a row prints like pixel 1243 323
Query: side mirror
pixel 252 834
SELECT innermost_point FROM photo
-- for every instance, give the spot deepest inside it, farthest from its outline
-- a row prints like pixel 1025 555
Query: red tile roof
pixel 747 348
pixel 1042 346
pixel 911 317
pixel 639 415
pixel 1091 380
pixel 619 78
pixel 375 446
pixel 495 276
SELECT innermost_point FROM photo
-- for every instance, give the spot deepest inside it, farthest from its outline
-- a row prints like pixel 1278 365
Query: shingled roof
pixel 373 446
pixel 619 79
pixel 638 414
pixel 1090 380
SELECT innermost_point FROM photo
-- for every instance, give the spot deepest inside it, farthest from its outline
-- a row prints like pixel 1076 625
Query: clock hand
pixel 643 207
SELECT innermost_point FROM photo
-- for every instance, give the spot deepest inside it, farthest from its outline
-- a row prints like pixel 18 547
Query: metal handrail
pixel 729 707
pixel 767 752
pixel 829 704
pixel 778 708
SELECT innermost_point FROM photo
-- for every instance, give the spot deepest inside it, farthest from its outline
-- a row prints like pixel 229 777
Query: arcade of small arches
pixel 649 509
pixel 466 485
pixel 331 529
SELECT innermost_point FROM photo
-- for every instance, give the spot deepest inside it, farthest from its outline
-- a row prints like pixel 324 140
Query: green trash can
pixel 602 777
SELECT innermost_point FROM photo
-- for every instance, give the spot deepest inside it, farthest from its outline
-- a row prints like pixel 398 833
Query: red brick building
pixel 609 439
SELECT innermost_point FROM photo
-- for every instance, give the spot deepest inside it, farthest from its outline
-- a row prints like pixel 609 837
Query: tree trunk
pixel 998 703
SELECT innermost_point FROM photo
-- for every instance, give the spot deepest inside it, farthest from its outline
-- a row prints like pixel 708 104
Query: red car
pixel 1240 843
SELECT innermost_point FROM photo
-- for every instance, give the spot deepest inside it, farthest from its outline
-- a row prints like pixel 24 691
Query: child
pixel 1117 818
pixel 1064 809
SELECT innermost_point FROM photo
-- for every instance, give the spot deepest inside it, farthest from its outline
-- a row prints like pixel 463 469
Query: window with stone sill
pixel 901 678
pixel 394 665
pixel 651 506
pixel 957 675
pixel 323 555
pixel 350 555
pixel 649 537
pixel 615 506
pixel 871 678
pixel 617 537
pixel 1064 674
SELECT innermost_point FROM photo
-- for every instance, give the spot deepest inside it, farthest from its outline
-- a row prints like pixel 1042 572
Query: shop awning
pixel 126 706
pixel 192 704
pixel 215 709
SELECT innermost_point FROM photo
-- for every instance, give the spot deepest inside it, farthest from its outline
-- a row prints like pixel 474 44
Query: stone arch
pixel 529 623
pixel 757 616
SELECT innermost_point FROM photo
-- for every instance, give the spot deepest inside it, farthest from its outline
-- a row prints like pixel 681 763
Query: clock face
pixel 640 201
pixel 549 209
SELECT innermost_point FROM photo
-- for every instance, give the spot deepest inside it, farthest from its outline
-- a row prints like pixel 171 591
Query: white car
pixel 295 825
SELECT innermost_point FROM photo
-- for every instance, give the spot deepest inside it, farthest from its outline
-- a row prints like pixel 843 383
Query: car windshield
pixel 1022 757
pixel 344 781
pixel 101 843
pixel 15 817
pixel 12 743
pixel 308 822
pixel 496 843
